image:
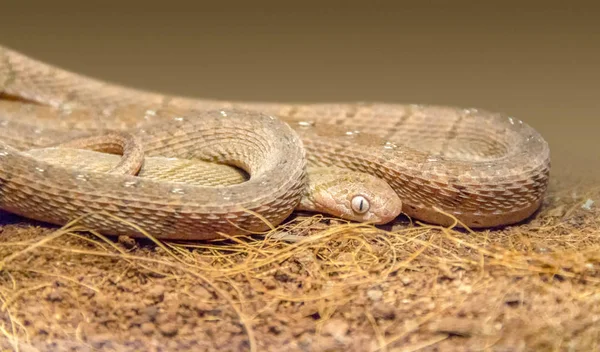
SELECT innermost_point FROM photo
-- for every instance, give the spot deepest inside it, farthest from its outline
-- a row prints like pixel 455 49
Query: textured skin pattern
pixel 128 145
pixel 329 190
pixel 485 168
pixel 57 194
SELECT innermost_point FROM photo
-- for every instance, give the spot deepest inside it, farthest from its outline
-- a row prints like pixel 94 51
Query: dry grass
pixel 311 284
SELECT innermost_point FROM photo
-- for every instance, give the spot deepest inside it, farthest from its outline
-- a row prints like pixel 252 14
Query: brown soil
pixel 327 285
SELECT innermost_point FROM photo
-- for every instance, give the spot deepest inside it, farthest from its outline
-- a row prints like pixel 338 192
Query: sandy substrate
pixel 328 286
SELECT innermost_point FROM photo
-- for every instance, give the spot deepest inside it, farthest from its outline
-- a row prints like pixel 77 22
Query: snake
pixel 444 164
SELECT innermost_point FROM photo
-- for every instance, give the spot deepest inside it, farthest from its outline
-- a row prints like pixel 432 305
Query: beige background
pixel 538 61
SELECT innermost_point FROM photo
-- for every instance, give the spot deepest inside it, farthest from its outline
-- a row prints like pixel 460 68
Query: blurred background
pixel 536 60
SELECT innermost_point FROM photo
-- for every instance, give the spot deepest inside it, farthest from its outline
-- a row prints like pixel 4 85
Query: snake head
pixel 350 195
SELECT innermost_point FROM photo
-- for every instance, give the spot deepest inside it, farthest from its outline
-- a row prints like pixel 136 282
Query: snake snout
pixel 390 211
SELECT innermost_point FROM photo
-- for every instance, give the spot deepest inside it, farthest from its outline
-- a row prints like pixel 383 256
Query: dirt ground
pixel 314 284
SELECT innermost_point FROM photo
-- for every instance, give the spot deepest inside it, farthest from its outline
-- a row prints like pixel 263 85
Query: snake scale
pixel 486 169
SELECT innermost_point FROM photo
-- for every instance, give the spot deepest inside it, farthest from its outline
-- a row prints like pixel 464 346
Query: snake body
pixel 334 191
pixel 486 169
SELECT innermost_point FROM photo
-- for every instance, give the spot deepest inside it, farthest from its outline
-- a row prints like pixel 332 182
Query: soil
pixel 313 284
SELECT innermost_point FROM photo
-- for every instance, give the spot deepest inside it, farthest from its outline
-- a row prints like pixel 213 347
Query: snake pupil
pixel 360 205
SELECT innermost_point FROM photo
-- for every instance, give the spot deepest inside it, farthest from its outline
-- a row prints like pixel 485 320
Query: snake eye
pixel 360 204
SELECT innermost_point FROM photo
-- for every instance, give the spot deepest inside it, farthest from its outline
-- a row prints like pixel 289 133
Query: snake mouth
pixel 390 212
pixel 386 211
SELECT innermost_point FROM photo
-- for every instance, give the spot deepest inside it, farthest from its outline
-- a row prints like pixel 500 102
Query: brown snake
pixel 483 168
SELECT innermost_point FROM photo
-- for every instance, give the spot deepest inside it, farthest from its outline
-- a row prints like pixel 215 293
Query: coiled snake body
pixel 484 168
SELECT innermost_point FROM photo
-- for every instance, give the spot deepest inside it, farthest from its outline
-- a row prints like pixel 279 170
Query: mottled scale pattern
pixel 329 190
pixel 487 169
pixel 57 194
